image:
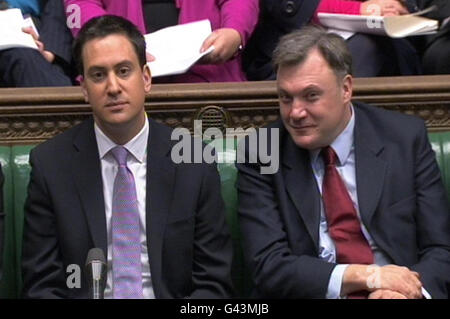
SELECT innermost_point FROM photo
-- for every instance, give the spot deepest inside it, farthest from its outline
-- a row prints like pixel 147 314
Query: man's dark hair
pixel 294 48
pixel 103 26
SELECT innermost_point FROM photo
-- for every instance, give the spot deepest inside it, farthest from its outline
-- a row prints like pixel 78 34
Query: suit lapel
pixel 160 185
pixel 370 165
pixel 302 187
pixel 86 171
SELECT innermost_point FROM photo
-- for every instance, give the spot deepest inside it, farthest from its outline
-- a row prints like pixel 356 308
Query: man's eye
pixel 312 96
pixel 97 76
pixel 284 98
pixel 125 71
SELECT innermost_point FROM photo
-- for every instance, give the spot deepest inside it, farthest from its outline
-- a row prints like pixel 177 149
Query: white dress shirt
pixel 137 163
pixel 344 147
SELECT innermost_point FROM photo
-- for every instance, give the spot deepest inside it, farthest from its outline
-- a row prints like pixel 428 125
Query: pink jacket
pixel 241 15
pixel 339 6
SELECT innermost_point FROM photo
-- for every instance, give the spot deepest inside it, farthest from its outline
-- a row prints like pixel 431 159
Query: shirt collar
pixel 137 146
pixel 343 143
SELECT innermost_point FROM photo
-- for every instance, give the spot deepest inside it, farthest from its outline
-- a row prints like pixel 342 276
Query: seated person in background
pixel 52 64
pixel 111 183
pixel 232 22
pixel 372 55
pixel 436 56
pixel 357 207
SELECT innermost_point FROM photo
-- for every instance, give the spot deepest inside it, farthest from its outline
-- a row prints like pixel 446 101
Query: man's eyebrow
pixel 102 68
pixel 95 68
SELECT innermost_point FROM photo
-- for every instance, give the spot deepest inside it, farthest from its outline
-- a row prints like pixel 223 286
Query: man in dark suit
pixel 183 240
pixel 357 207
pixel 52 64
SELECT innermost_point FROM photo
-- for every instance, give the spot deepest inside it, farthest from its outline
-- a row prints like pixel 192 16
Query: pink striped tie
pixel 127 272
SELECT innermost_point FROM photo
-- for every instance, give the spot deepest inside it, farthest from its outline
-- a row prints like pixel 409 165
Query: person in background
pixel 52 64
pixel 357 208
pixel 372 55
pixel 436 48
pixel 232 21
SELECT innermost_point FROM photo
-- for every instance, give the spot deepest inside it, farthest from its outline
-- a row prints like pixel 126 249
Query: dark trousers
pixel 436 59
pixel 382 56
pixel 24 67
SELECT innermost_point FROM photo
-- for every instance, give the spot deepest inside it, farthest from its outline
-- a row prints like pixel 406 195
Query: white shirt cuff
pixel 335 283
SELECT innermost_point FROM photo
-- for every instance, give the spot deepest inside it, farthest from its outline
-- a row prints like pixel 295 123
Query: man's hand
pixel 49 56
pixel 383 8
pixel 390 277
pixel 386 294
pixel 226 42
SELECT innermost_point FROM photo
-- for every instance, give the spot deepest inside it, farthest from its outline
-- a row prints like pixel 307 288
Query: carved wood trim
pixel 31 115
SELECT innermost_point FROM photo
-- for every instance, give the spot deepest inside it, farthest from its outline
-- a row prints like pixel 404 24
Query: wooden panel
pixel 32 115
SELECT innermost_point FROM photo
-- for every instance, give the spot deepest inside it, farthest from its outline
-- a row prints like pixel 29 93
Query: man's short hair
pixel 294 48
pixel 103 26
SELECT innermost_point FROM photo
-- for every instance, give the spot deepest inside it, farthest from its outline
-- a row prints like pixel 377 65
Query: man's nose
pixel 113 85
pixel 298 110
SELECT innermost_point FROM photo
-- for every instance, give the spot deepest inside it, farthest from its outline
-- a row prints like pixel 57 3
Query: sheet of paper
pixel 11 35
pixel 177 48
pixel 392 26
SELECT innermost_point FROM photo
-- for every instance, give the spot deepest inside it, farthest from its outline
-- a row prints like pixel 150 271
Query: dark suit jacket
pixel 188 239
pixel 401 198
pixel 55 34
pixel 277 18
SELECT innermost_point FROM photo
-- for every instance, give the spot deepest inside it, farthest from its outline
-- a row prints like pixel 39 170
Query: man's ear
pixel 84 89
pixel 147 77
pixel 347 88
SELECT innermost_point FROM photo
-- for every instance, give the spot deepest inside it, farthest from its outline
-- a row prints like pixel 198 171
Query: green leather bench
pixel 14 160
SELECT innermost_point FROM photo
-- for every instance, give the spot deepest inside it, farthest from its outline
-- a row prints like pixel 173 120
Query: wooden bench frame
pixel 31 115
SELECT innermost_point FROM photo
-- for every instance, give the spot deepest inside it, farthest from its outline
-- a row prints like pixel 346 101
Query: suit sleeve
pixel 42 268
pixel 54 32
pixel 277 271
pixel 432 221
pixel 212 242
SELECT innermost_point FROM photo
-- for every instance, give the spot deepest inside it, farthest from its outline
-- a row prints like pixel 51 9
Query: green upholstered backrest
pixel 440 142
pixel 16 170
pixel 8 288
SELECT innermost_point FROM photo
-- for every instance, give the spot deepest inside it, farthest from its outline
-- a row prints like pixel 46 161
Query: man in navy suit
pixel 185 246
pixel 51 65
pixel 390 177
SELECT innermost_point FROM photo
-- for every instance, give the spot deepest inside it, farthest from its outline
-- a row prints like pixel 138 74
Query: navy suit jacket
pixel 189 245
pixel 401 198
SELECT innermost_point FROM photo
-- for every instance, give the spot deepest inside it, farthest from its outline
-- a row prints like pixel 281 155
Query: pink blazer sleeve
pixel 241 15
pixel 129 9
pixel 87 8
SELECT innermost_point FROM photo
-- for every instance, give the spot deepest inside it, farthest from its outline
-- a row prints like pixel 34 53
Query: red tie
pixel 343 223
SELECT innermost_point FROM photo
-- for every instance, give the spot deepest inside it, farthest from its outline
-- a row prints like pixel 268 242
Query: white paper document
pixel 392 26
pixel 177 48
pixel 11 34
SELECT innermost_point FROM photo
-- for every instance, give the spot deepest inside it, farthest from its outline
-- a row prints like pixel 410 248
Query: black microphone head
pixel 95 254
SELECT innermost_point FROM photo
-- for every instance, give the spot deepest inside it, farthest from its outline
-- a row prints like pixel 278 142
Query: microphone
pixel 96 272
